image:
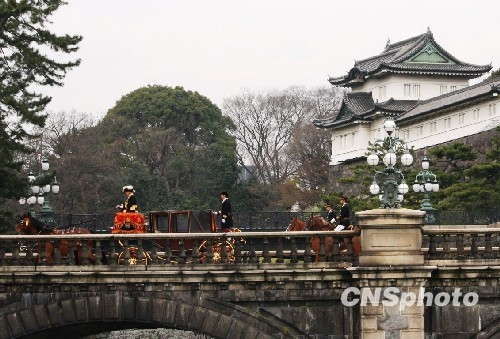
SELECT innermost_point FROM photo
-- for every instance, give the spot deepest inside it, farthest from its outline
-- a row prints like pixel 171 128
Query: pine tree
pixel 24 68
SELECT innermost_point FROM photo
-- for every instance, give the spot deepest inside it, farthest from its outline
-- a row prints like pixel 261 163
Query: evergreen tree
pixel 465 184
pixel 174 145
pixel 24 69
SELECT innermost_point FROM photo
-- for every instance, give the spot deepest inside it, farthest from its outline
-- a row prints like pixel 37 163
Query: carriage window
pixel 162 223
pixel 180 223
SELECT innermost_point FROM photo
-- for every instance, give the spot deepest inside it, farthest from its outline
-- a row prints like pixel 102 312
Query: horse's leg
pixel 64 248
pixel 92 255
pixel 315 247
pixel 329 246
pixel 48 252
pixel 346 243
pixel 356 245
pixel 39 254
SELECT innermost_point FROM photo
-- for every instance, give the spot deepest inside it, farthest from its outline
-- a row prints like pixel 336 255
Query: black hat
pixel 344 198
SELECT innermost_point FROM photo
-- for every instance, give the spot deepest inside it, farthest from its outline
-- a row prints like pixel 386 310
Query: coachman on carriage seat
pixel 129 220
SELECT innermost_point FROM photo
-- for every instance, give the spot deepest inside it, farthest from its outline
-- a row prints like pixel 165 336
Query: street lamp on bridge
pixel 426 182
pixel 40 185
pixel 390 183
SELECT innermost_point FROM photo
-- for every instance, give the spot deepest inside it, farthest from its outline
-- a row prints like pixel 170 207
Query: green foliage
pixel 173 144
pixel 253 195
pixel 455 152
pixel 495 73
pixel 24 66
pixel 466 186
pixel 494 153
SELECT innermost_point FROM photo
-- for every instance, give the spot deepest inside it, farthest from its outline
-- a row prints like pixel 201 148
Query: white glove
pixel 223 221
pixel 119 206
pixel 215 212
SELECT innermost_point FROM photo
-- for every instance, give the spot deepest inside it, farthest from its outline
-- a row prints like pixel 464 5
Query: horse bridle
pixel 24 227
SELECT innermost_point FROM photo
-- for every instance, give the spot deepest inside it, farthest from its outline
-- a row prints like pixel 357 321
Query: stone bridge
pixel 257 284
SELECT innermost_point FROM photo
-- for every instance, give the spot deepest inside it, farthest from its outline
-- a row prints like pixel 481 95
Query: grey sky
pixel 219 47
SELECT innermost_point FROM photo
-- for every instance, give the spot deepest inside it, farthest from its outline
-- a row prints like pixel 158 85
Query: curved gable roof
pixel 418 55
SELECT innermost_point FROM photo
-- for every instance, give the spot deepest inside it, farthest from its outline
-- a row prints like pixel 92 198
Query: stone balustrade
pixel 452 247
pixel 179 248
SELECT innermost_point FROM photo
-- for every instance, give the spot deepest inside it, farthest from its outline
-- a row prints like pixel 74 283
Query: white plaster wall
pixel 352 142
pixel 394 87
pixel 454 125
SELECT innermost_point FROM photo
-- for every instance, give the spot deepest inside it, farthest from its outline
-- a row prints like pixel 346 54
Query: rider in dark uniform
pixel 225 212
pixel 344 217
pixel 332 216
pixel 130 204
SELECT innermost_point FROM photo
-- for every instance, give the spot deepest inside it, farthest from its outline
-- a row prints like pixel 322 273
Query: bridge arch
pixel 490 331
pixel 94 313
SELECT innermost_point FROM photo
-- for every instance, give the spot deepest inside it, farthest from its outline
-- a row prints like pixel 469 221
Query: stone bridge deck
pixel 249 284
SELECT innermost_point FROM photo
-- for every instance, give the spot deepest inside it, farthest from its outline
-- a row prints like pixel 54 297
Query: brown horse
pixel 30 225
pixel 317 223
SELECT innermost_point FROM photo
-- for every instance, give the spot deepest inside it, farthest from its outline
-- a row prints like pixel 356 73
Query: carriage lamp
pixel 426 182
pixel 390 183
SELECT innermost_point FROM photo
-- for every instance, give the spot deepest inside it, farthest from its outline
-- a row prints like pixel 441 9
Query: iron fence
pixel 463 217
pixel 278 221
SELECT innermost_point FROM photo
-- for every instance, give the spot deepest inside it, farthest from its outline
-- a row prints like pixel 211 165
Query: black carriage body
pixel 178 221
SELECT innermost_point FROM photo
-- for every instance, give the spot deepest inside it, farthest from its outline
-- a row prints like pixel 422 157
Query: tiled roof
pixel 360 106
pixel 396 106
pixel 400 58
pixel 474 92
pixel 360 102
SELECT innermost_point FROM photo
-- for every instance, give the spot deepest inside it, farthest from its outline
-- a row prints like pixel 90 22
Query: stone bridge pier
pixel 391 275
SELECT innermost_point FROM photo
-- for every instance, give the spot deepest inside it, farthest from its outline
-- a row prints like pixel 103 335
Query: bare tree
pixel 83 168
pixel 267 123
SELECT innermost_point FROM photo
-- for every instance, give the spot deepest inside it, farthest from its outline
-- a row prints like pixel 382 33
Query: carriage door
pixel 180 222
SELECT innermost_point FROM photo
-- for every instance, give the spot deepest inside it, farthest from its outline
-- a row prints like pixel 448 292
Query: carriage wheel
pixel 217 247
pixel 134 257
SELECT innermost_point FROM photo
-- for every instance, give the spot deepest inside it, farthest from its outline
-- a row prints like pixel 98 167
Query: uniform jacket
pixel 130 204
pixel 332 216
pixel 344 218
pixel 226 214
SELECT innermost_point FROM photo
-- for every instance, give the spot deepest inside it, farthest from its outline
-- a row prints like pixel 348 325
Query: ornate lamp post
pixel 41 185
pixel 386 183
pixel 424 184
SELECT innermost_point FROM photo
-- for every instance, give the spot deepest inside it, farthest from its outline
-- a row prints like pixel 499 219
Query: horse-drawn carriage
pixel 172 221
pixel 130 250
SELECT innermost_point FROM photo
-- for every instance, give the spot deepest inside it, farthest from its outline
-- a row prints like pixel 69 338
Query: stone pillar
pixel 391 237
pixel 391 276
